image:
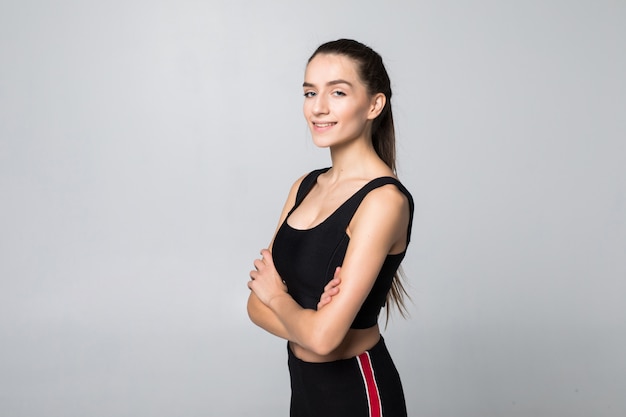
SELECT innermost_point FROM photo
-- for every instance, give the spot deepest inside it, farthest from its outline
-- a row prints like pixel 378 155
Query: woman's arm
pixel 258 312
pixel 262 315
pixel 377 227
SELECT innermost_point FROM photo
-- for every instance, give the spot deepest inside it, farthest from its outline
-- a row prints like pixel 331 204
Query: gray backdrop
pixel 147 147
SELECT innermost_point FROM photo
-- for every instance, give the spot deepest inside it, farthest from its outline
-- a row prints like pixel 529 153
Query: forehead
pixel 329 67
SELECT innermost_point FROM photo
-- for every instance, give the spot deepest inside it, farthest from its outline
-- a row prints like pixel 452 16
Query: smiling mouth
pixel 324 124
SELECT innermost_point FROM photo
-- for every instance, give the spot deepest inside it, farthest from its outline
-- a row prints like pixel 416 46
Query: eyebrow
pixel 333 82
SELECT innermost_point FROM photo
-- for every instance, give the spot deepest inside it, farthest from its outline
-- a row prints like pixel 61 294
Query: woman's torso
pixel 308 248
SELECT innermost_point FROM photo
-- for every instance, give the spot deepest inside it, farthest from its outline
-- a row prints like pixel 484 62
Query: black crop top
pixel 306 259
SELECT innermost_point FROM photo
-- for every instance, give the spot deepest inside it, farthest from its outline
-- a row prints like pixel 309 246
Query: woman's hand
pixel 330 290
pixel 264 279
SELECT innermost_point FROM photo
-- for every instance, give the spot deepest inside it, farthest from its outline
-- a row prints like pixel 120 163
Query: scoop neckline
pixel 297 204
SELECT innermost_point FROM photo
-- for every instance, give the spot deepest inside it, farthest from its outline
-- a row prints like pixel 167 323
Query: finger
pixel 336 280
pixel 328 296
pixel 267 257
pixel 323 301
pixel 337 271
pixel 258 264
pixel 333 283
pixel 333 291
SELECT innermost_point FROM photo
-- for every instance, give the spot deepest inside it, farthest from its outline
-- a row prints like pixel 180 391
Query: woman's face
pixel 337 106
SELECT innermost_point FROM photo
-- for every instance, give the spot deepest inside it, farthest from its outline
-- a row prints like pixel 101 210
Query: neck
pixel 354 159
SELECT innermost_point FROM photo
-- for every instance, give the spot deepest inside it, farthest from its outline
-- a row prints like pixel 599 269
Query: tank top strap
pixel 349 208
pixel 305 186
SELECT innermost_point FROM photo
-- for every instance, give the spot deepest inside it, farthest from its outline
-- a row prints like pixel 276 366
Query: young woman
pixel 343 232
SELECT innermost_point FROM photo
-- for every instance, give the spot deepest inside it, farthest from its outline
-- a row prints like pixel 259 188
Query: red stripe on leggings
pixel 373 398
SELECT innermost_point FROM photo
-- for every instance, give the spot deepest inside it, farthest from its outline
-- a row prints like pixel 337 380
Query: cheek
pixel 344 109
pixel 306 108
pixel 352 112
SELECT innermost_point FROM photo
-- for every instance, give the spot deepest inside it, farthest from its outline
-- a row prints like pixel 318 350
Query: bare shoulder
pixel 294 188
pixel 297 183
pixel 382 220
pixel 293 192
pixel 385 207
pixel 386 199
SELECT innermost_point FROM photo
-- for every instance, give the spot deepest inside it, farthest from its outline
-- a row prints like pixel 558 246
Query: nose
pixel 320 104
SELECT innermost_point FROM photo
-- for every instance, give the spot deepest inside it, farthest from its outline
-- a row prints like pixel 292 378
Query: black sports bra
pixel 306 259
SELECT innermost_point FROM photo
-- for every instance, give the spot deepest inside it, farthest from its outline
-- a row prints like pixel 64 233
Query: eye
pixel 309 94
pixel 339 93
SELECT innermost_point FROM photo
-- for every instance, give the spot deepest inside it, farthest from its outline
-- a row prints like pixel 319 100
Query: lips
pixel 323 125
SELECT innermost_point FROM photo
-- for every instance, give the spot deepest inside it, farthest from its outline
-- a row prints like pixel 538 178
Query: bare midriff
pixel 356 342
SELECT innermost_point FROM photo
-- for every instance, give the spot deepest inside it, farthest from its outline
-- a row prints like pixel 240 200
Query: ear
pixel 377 105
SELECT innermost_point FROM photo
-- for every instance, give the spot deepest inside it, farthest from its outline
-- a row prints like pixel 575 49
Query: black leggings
pixel 367 385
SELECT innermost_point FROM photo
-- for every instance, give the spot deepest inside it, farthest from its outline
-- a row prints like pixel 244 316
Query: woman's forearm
pixel 306 327
pixel 262 316
pixel 272 308
pixel 289 321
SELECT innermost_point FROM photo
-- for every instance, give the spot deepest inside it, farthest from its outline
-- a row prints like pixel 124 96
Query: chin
pixel 322 142
pixel 321 145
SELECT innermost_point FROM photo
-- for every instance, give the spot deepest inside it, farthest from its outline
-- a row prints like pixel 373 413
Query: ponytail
pixel 374 75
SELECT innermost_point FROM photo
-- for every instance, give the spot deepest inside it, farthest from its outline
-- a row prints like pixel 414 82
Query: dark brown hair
pixel 374 76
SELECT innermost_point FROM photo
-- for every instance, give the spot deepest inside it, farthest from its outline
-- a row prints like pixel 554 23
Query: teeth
pixel 323 124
